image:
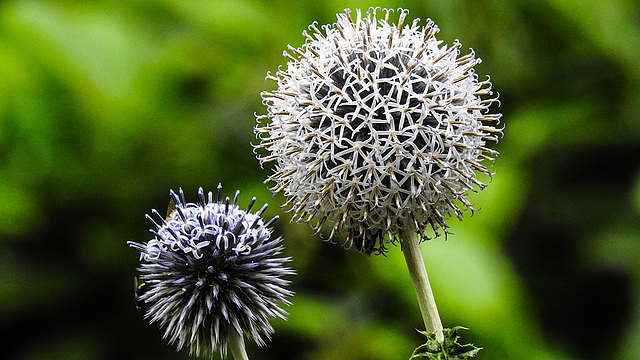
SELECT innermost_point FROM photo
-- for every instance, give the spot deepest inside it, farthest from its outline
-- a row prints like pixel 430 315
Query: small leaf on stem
pixel 449 349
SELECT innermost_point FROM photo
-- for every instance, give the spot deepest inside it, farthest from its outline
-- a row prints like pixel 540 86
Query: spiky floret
pixel 377 127
pixel 211 269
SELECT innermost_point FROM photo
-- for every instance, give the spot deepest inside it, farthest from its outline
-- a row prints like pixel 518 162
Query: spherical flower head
pixel 377 128
pixel 211 269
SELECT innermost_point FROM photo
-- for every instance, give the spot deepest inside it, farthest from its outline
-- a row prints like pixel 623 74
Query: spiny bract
pixel 376 128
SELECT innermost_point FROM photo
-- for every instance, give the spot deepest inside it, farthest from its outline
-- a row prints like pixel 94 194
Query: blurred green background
pixel 106 105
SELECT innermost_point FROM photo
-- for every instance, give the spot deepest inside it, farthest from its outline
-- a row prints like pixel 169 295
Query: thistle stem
pixel 418 272
pixel 236 343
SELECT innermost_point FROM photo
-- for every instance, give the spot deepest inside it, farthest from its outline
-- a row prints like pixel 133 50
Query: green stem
pixel 236 343
pixel 418 272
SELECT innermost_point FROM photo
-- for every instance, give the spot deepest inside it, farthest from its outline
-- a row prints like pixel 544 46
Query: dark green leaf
pixel 449 349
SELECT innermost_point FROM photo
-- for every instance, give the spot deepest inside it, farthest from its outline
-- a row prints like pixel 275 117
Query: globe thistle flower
pixel 212 273
pixel 377 128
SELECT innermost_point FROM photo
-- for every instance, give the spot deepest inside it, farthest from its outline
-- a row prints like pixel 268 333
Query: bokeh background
pixel 106 105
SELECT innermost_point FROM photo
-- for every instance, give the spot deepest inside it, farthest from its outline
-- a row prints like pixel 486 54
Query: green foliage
pixel 448 349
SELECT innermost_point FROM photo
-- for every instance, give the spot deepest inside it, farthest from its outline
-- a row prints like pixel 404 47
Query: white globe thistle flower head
pixel 210 270
pixel 377 128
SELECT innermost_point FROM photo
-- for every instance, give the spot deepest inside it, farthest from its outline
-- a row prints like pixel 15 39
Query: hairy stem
pixel 236 343
pixel 418 272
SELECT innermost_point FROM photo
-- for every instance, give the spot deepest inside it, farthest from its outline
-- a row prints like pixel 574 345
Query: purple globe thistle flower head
pixel 377 128
pixel 212 270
